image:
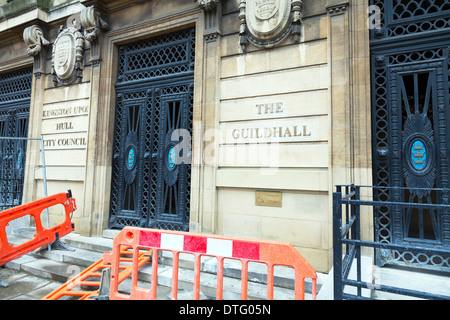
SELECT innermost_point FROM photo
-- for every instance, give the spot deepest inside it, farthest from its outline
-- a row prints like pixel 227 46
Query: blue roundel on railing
pixel 131 158
pixel 418 155
pixel 171 157
pixel 19 159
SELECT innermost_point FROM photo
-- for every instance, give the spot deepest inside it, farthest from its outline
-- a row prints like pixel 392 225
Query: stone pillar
pixel 349 65
pixel 93 221
pixel 35 37
pixel 360 92
pixel 204 218
pixel 339 95
pixel 340 113
pixel 348 46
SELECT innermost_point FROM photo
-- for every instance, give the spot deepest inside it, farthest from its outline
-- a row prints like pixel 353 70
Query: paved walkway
pixel 23 286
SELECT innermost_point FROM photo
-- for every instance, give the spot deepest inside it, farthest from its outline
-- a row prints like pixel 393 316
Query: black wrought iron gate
pixel 15 95
pixel 150 171
pixel 410 60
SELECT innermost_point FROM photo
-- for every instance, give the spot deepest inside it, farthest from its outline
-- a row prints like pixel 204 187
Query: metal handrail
pixel 346 232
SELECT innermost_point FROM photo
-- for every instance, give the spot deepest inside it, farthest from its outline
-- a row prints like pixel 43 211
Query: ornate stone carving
pixel 337 9
pixel 92 23
pixel 243 40
pixel 67 56
pixel 34 38
pixel 213 16
pixel 380 60
pixel 265 23
pixel 297 18
pixel 208 4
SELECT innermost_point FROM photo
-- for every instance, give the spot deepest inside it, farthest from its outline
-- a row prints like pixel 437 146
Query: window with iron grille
pixel 410 66
pixel 154 97
pixel 409 17
pixel 15 93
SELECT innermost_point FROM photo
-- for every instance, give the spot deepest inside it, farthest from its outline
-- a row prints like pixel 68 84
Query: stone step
pixel 76 256
pixel 60 265
pixel 95 244
pixel 79 257
pixel 208 284
pixel 430 282
pixel 44 268
pixel 283 276
pixel 110 233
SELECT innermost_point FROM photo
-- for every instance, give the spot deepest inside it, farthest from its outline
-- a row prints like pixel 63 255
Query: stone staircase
pixel 60 265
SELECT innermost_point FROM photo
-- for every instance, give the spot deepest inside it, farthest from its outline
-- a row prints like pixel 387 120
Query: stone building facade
pixel 272 96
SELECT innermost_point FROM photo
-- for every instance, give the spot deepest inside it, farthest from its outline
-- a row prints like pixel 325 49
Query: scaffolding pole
pixel 41 139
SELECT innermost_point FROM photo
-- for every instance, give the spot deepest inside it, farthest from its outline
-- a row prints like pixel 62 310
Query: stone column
pixel 35 37
pixel 350 113
pixel 361 108
pixel 340 100
pixel 95 194
pixel 204 217
pixel 339 94
pixel 348 46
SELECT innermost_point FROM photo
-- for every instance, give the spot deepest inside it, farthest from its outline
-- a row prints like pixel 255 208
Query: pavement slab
pixel 24 286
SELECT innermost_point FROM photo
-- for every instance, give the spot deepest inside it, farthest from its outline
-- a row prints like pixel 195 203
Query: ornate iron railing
pixel 155 98
pixel 15 95
pixel 348 244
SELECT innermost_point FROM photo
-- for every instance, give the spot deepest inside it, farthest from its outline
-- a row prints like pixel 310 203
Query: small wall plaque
pixel 268 198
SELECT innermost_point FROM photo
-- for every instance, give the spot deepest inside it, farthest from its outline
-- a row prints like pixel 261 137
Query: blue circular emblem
pixel 418 155
pixel 131 158
pixel 19 159
pixel 171 158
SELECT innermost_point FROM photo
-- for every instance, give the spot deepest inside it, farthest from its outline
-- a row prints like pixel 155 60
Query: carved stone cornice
pixel 243 40
pixel 213 15
pixel 34 38
pixel 211 37
pixel 337 9
pixel 297 18
pixel 92 23
pixel 208 4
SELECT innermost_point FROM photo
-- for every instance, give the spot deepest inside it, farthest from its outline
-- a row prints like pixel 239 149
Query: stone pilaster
pixel 207 127
pixel 35 37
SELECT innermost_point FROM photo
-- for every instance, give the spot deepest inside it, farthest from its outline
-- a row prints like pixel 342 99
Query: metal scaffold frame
pixel 41 139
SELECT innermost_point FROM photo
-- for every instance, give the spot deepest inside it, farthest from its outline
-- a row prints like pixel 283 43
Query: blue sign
pixel 19 159
pixel 418 155
pixel 171 157
pixel 131 158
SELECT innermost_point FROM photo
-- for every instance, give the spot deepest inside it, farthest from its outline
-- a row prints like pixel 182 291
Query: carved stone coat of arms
pixel 67 55
pixel 69 45
pixel 265 23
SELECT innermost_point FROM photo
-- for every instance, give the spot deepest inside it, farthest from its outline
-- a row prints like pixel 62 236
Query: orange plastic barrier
pixel 86 285
pixel 270 253
pixel 43 236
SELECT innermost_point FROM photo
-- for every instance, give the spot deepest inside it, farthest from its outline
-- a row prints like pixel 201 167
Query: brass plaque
pixel 268 198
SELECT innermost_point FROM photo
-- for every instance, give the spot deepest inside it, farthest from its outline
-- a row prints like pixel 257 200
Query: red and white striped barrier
pixel 271 253
pixel 201 244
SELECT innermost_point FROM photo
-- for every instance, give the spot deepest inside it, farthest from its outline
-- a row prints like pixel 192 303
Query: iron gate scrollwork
pixel 411 139
pixel 15 95
pixel 150 172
